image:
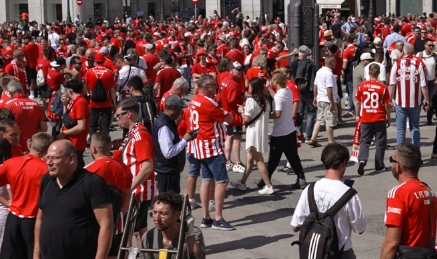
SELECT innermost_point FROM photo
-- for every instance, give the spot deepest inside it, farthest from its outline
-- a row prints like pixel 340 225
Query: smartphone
pixel 196 131
pixel 349 182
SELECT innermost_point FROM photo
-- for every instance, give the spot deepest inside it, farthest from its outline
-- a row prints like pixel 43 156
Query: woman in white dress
pixel 255 113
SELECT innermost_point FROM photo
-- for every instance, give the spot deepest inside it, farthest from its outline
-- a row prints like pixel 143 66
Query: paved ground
pixel 263 221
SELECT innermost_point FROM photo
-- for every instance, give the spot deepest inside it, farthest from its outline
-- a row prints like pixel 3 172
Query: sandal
pixel 239 168
pixel 313 143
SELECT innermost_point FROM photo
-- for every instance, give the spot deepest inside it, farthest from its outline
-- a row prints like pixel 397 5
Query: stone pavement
pixel 262 222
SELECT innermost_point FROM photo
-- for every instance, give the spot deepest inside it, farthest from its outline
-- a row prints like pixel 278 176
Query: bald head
pixel 63 147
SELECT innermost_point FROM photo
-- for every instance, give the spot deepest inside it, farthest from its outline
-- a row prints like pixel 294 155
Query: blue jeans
pixel 306 101
pixel 214 167
pixel 350 87
pixel 413 114
pixel 193 165
pixel 430 94
pixel 186 74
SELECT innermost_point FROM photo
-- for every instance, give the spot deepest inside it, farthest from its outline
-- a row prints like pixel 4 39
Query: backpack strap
pixel 341 202
pixel 311 200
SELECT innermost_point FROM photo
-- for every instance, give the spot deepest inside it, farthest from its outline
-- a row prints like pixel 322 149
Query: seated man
pixel 167 209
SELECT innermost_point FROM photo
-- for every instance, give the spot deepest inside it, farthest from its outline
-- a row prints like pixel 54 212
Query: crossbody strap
pixel 341 202
pixel 311 200
pixel 127 79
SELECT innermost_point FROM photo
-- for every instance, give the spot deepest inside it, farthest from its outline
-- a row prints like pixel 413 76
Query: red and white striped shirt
pixel 206 115
pixel 139 149
pixel 408 75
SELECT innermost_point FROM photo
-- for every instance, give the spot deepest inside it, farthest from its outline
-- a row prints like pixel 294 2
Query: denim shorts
pixel 193 165
pixel 214 167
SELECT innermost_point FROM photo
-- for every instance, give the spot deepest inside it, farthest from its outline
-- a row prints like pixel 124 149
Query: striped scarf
pixel 17 72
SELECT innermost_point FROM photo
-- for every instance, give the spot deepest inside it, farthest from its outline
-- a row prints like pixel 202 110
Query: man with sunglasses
pixel 408 215
pixel 430 59
pixel 419 44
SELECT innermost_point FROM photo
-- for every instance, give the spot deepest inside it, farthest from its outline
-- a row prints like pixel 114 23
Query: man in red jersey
pixel 231 99
pixel 24 175
pixel 29 116
pixel 101 109
pixel 114 173
pixel 31 54
pixel 179 88
pixel 373 111
pixel 151 60
pixel 78 109
pixel 208 118
pixel 16 68
pixel 165 77
pixel 202 67
pixel 138 154
pixel 408 208
pixel 234 53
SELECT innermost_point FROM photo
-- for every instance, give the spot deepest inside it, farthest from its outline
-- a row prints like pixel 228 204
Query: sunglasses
pixel 392 160
pixel 118 115
pixel 431 46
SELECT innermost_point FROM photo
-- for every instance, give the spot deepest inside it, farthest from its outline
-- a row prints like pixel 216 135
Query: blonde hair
pixel 279 77
pixel 259 61
pixel 41 142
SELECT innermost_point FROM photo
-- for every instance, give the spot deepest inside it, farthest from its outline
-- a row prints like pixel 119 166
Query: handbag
pixel 409 252
pixel 68 121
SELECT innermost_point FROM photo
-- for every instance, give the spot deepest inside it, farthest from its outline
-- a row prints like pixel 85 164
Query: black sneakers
pixel 301 183
pixel 361 168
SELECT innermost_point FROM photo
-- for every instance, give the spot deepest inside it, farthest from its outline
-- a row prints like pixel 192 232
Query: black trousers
pixel 168 182
pixel 284 145
pixel 18 239
pixel 95 114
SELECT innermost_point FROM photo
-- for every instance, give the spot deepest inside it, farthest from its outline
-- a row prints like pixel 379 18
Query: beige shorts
pixel 324 116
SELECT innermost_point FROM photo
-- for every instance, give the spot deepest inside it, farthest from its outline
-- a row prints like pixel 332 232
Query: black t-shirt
pixel 336 30
pixel 72 37
pixel 419 45
pixel 178 49
pixel 69 228
pixel 294 64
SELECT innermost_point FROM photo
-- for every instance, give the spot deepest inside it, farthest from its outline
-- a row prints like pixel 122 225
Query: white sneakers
pixel 239 168
pixel 267 190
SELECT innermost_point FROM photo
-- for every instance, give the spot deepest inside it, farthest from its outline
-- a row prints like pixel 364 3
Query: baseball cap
pixel 149 46
pixel 201 51
pixel 175 101
pixel 304 49
pixel 58 62
pixel 377 40
pixel 327 33
pixel 366 56
pixel 236 65
pixel 99 58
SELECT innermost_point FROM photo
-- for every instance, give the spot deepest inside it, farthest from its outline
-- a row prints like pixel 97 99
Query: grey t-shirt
pixel 358 77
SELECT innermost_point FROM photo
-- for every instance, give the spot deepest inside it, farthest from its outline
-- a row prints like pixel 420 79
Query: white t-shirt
pixel 283 101
pixel 326 193
pixel 382 72
pixel 123 76
pixel 430 65
pixel 324 79
pixel 257 132
pixel 54 39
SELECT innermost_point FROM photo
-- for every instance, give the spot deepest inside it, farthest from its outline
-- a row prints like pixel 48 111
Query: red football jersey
pixel 408 207
pixel 373 96
pixel 162 102
pixel 349 52
pixel 207 116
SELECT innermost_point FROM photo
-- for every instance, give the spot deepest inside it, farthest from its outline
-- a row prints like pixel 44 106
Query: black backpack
pixel 318 235
pixel 99 93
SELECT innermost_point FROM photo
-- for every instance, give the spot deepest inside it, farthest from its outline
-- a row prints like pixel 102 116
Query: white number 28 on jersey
pixel 372 100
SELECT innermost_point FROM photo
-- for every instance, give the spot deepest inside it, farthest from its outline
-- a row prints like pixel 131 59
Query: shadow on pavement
pixel 245 243
pixel 263 217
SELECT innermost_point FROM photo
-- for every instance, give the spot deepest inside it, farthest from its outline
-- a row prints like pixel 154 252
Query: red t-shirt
pixel 28 114
pixel 162 102
pixel 373 96
pixel 6 96
pixel 31 54
pixel 80 110
pixel 112 171
pixel 151 61
pixel 199 69
pixel 408 207
pixel 43 64
pixel 236 55
pixel 231 99
pixel 166 77
pixel 20 73
pixel 138 150
pixel 283 62
pixel 54 79
pixel 294 90
pixel 207 116
pixel 24 174
pixel 349 52
pixel 7 53
pixel 108 81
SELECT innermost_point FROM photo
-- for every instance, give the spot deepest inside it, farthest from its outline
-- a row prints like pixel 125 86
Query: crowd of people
pixel 135 73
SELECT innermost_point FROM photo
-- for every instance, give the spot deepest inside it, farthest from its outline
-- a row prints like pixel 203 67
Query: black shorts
pixel 231 130
pixel 141 221
pixel 116 242
pixel 31 73
pixel 168 182
pixel 18 237
pixel 340 91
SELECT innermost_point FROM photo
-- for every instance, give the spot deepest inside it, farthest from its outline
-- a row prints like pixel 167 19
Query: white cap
pixel 365 56
pixel 236 65
pixel 377 40
pixel 148 46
